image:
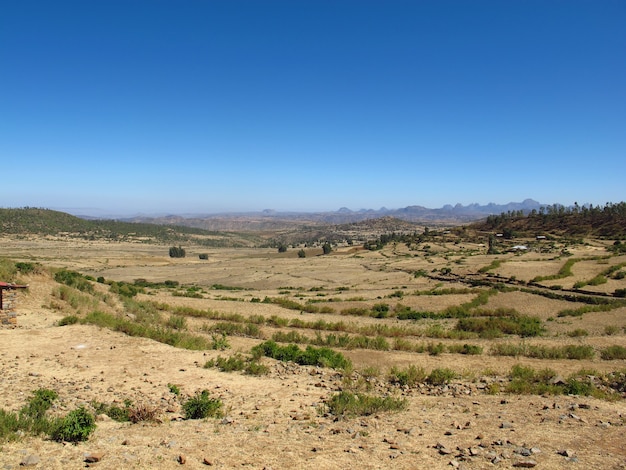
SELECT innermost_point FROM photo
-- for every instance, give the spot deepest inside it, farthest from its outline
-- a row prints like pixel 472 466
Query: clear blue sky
pixel 153 106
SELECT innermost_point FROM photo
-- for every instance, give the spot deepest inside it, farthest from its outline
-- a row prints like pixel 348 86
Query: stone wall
pixel 8 314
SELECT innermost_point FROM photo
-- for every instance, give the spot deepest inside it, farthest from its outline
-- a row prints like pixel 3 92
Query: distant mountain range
pixel 272 220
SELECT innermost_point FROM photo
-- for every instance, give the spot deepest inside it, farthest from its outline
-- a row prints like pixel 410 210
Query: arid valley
pixel 468 359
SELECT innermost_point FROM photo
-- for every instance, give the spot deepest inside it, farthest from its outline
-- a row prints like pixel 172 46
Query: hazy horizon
pixel 106 213
pixel 213 107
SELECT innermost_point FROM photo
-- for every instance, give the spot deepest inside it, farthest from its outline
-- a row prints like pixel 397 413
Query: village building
pixel 8 302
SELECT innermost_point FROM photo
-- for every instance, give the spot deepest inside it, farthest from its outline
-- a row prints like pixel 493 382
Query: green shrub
pixel 613 352
pixel 521 325
pixel 255 368
pixel 76 426
pixel 410 376
pixel 25 267
pixel 177 322
pixel 175 389
pixel 68 320
pixel 9 425
pixel 469 349
pixel 441 376
pixel 324 357
pixel 435 349
pixel 578 332
pixel 177 252
pixel 229 364
pixel 219 342
pixel 114 412
pixel 349 404
pixel 202 406
pixel 39 403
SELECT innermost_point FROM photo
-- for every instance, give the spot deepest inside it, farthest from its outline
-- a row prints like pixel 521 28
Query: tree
pixel 177 252
pixel 327 248
pixel 301 254
pixel 282 248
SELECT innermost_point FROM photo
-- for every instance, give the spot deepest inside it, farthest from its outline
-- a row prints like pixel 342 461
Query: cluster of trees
pixel 326 248
pixel 177 252
pixel 407 238
pixel 607 221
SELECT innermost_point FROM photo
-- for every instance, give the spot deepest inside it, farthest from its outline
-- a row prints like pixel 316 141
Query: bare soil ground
pixel 274 421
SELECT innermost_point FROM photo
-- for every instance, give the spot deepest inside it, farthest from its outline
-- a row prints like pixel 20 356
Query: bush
pixel 441 376
pixel 25 268
pixel 68 320
pixel 177 322
pixel 203 256
pixel 613 352
pixel 410 376
pixel 202 406
pixel 177 252
pixel 75 427
pixel 114 412
pixel 469 349
pixel 324 357
pixel 301 254
pixel 578 332
pixel 74 279
pixel 350 404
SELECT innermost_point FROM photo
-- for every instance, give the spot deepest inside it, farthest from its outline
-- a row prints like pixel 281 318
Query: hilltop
pixel 606 222
pixel 51 223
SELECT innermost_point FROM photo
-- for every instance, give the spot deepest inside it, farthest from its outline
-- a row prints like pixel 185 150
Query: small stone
pixel 506 425
pixel 93 457
pixel 207 461
pixel 30 460
pixel 525 463
pixel 181 459
pixel 566 452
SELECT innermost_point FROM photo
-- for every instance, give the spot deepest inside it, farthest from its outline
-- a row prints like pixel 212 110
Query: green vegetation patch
pixel 201 406
pixel 349 404
pixel 312 356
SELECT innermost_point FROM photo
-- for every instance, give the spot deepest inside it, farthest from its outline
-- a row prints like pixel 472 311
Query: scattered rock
pixel 525 463
pixel 93 457
pixel 30 460
pixel 566 452
pixel 181 459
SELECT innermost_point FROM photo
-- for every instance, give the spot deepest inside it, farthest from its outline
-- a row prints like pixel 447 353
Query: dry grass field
pixel 445 308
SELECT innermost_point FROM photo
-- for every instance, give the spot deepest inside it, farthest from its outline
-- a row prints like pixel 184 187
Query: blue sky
pixel 153 106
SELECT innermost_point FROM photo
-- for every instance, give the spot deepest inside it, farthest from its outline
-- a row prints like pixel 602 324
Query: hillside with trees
pixel 604 222
pixel 46 222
